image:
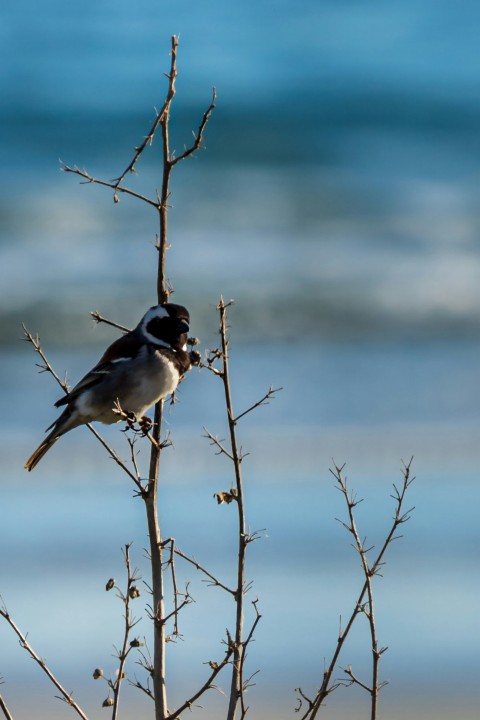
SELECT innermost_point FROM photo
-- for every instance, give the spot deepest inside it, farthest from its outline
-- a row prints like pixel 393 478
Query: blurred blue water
pixel 337 201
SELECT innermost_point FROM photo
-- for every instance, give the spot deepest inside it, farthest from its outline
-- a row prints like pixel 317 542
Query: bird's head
pixel 166 326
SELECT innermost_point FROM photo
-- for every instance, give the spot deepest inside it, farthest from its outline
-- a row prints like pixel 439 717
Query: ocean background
pixel 337 201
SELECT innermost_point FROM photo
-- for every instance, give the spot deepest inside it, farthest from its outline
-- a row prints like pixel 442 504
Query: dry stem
pixel 236 689
pixel 4 709
pixel 65 695
pixel 211 578
pixel 368 609
pixel 400 517
pixel 46 366
pixel 128 625
pixel 208 684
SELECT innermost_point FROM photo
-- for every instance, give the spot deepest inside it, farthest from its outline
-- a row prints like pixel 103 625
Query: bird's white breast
pixel 136 384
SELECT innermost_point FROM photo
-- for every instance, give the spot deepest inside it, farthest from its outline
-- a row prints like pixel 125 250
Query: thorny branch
pixel 208 684
pixel 212 580
pixel 45 366
pixel 244 684
pixel 65 695
pixel 235 455
pixel 198 138
pixel 132 592
pixel 162 116
pixel 264 401
pixel 187 598
pixel 400 517
pixel 367 608
pixel 218 443
pixel 89 179
pixel 4 709
pixel 100 319
pixel 236 689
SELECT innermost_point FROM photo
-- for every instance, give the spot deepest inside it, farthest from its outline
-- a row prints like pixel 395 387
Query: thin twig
pixel 4 709
pixel 131 593
pixel 370 612
pixel 117 459
pixel 148 139
pixel 208 684
pixel 198 138
pixel 356 681
pixel 100 319
pixel 171 563
pixel 399 517
pixel 222 450
pixel 236 689
pixel 246 642
pixel 66 696
pixel 213 580
pixel 47 367
pixel 75 170
pixel 151 507
pixel 264 401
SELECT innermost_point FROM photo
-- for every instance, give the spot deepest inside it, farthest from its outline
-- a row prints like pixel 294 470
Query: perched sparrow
pixel 135 372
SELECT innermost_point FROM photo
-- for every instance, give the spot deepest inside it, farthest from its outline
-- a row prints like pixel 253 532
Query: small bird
pixel 136 371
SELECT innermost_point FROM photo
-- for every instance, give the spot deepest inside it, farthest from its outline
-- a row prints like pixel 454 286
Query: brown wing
pixel 125 348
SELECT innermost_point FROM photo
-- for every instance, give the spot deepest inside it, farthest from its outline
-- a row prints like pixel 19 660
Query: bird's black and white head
pixel 166 326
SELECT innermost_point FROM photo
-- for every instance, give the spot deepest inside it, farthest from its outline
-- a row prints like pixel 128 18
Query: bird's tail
pixel 35 458
pixel 67 421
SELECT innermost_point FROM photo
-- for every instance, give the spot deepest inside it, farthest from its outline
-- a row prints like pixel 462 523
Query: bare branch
pixel 212 579
pixel 354 680
pixel 117 459
pixel 47 367
pixel 248 639
pixel 131 593
pixel 75 170
pixel 100 319
pixel 326 687
pixel 208 684
pixel 264 401
pixel 4 709
pixel 236 687
pixel 215 440
pixel 370 613
pixel 161 116
pixel 198 138
pixel 65 695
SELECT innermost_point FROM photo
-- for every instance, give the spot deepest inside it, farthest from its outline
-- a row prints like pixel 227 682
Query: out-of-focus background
pixel 337 202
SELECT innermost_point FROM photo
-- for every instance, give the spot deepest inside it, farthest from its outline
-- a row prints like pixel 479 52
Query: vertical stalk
pixel 235 688
pixel 158 591
pixel 154 529
pixel 162 289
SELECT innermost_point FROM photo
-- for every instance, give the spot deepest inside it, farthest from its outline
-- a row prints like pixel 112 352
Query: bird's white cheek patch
pixel 154 340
